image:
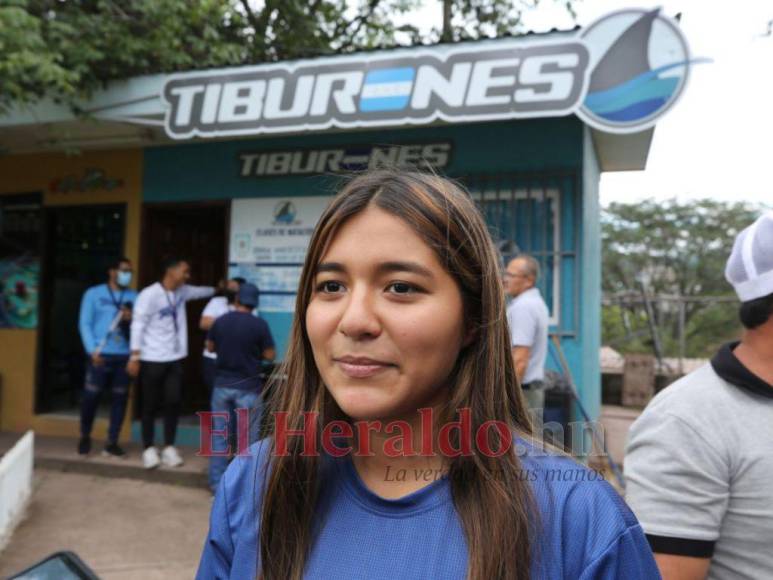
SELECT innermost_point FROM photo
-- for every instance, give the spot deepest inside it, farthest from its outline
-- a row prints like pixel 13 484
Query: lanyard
pixel 117 303
pixel 173 306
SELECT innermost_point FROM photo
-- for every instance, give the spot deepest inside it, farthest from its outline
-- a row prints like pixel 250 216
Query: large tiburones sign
pixel 619 75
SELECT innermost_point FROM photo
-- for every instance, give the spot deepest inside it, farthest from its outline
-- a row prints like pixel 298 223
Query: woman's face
pixel 385 320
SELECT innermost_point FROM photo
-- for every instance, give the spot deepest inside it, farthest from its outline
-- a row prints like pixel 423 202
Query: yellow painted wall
pixel 18 348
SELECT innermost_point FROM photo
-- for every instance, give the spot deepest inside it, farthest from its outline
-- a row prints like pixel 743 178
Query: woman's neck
pixel 402 456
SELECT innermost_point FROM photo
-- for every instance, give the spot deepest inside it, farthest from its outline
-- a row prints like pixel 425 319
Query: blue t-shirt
pixel 99 307
pixel 588 532
pixel 240 339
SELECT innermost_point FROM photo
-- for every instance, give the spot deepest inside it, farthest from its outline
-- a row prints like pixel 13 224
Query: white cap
pixel 750 266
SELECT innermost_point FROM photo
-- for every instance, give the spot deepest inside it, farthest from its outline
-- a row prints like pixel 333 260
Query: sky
pixel 717 141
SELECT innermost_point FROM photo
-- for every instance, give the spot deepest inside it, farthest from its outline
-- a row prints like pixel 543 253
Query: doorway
pixel 79 243
pixel 198 232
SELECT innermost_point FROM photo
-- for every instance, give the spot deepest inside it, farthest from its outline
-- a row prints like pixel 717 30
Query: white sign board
pixel 269 239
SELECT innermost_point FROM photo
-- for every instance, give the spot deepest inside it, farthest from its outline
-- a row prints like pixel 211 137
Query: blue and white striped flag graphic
pixel 387 89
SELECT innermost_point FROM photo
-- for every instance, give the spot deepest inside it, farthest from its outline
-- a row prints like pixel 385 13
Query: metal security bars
pixel 536 214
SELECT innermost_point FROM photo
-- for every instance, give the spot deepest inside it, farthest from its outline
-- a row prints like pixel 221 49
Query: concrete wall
pixel 15 484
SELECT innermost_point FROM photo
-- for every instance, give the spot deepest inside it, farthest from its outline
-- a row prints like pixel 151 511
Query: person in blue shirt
pixel 242 342
pixel 401 445
pixel 105 315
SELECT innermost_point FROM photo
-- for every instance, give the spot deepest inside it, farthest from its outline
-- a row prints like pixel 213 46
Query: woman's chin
pixel 361 405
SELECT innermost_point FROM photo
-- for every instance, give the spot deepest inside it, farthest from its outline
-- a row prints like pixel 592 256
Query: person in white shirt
pixel 528 319
pixel 159 344
pixel 215 308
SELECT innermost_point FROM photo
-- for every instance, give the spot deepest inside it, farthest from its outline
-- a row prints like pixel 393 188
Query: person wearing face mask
pixel 221 303
pixel 105 316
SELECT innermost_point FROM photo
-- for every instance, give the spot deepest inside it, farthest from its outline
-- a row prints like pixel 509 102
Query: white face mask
pixel 124 278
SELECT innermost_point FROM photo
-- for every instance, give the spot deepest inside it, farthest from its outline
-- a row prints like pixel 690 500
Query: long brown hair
pixel 494 504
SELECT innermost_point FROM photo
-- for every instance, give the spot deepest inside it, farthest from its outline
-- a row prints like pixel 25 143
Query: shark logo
pixel 284 213
pixel 639 62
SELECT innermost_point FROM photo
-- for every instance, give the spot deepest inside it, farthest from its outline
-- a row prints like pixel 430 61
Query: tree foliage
pixel 674 249
pixel 66 49
pixel 472 19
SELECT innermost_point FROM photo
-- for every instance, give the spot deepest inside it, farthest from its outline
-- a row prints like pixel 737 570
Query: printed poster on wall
pixel 20 218
pixel 269 239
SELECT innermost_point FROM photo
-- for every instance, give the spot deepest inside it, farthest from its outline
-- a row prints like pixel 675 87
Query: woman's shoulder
pixel 242 483
pixel 585 523
pixel 248 464
pixel 579 496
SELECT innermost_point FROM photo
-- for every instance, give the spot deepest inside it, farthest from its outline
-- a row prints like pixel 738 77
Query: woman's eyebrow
pixel 382 268
pixel 415 268
pixel 337 267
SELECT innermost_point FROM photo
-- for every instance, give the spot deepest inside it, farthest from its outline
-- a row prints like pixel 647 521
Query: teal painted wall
pixel 590 306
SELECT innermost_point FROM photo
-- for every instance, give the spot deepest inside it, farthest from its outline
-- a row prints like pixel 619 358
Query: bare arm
pixel 206 322
pixel 682 567
pixel 521 360
pixel 269 354
pixel 210 345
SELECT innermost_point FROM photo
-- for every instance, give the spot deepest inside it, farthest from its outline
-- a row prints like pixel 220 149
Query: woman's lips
pixel 361 370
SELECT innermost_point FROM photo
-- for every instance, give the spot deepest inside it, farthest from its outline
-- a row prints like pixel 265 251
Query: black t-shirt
pixel 240 339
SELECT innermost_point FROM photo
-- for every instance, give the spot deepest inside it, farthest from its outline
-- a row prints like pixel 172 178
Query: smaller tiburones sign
pixel 618 75
pixel 342 159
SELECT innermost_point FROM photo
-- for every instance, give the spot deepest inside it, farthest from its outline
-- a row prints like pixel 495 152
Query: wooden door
pixel 199 233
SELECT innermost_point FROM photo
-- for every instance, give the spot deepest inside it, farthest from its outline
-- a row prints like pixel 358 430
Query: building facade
pixel 233 168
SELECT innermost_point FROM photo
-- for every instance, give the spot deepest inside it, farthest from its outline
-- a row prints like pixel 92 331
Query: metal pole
pixel 602 444
pixel 653 327
pixel 682 346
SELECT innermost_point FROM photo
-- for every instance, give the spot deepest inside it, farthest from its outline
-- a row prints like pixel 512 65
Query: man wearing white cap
pixel 699 460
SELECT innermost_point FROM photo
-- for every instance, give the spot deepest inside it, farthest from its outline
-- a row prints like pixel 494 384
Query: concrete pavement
pixel 124 529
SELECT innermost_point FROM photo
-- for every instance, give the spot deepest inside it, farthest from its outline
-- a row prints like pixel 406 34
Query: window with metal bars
pixel 534 214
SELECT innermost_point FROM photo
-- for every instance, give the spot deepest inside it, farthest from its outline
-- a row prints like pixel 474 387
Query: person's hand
pixel 96 359
pixel 126 314
pixel 133 368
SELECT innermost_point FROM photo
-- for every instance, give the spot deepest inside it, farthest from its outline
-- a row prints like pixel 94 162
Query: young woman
pixel 399 351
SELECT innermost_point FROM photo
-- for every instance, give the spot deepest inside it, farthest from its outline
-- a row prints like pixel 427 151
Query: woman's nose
pixel 359 319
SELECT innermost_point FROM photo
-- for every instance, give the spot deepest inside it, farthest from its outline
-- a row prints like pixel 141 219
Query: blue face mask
pixel 124 278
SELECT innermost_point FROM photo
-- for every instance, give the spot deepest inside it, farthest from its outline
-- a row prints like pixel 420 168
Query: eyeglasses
pixel 511 275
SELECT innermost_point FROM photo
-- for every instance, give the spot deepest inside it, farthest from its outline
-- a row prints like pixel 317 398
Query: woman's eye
pixel 402 288
pixel 329 287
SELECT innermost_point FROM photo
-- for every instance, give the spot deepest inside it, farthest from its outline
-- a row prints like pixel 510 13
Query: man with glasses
pixel 104 320
pixel 527 317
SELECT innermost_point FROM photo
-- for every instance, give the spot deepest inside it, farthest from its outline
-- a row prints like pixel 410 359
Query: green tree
pixel 66 49
pixel 676 249
pixel 471 19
